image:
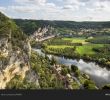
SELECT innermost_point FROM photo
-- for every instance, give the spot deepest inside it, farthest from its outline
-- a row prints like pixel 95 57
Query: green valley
pixel 53 54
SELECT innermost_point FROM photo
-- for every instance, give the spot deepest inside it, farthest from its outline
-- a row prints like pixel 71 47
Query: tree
pixel 88 84
pixel 106 86
pixel 64 71
pixel 74 68
pixel 53 61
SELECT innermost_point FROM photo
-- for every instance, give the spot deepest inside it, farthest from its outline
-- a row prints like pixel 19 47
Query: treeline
pixel 64 52
pixel 105 49
pixel 101 56
pixel 29 26
pixel 100 40
pixel 60 41
pixel 8 29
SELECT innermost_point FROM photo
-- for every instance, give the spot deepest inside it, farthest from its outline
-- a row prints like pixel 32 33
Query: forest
pixel 65 27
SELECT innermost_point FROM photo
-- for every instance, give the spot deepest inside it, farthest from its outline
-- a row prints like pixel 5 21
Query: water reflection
pixel 101 76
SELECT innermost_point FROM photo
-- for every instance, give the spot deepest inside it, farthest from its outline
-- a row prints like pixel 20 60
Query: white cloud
pixel 74 2
pixel 23 9
pixel 70 7
pixel 65 10
pixel 38 2
pixel 2 8
pixel 98 6
pixel 84 0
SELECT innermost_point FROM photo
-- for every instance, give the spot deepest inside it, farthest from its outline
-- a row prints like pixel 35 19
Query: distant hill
pixel 29 26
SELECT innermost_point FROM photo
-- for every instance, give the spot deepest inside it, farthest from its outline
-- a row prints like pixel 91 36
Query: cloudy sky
pixel 75 10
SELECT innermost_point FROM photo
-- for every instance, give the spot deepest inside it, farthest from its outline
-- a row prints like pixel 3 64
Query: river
pixel 99 75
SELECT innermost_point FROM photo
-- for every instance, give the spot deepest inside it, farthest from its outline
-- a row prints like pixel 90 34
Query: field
pixel 96 51
pixel 85 48
pixel 76 40
pixel 59 46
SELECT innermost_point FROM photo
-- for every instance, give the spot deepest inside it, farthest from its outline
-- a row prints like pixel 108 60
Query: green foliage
pixel 99 53
pixel 88 84
pixel 106 86
pixel 66 28
pixel 74 68
pixel 18 83
pixel 100 40
pixel 62 41
pixel 53 61
pixel 64 71
pixel 42 67
pixel 9 29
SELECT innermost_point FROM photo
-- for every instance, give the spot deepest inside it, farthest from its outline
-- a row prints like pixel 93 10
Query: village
pixel 43 34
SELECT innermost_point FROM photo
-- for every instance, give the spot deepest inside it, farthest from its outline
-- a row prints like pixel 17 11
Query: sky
pixel 72 10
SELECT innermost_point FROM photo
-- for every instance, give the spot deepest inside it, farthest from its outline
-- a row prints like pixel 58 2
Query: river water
pixel 99 75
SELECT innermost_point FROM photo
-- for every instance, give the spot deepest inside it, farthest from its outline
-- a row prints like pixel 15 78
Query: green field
pixel 59 46
pixel 86 48
pixel 76 40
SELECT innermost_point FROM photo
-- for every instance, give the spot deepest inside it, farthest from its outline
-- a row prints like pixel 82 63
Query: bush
pixel 106 86
pixel 88 84
pixel 74 68
pixel 64 71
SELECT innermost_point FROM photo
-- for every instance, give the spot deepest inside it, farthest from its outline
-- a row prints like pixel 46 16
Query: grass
pixel 87 49
pixel 59 46
pixel 75 85
pixel 76 40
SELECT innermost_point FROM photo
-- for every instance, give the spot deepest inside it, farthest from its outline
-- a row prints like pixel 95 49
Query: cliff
pixel 15 51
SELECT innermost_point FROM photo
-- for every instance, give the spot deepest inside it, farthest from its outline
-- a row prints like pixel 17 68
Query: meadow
pixel 80 47
pixel 85 48
pixel 76 40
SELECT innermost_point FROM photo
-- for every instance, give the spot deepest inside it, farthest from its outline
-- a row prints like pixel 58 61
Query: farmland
pixel 79 47
pixel 84 48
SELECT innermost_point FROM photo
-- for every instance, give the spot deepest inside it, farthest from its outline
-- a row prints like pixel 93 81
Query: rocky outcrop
pixel 32 77
pixel 15 51
pixel 12 62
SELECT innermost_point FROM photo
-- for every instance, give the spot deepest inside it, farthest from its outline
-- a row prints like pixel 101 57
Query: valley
pixel 37 54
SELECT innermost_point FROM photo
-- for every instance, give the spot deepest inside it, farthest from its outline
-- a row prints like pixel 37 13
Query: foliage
pixel 99 53
pixel 106 86
pixel 74 68
pixel 29 26
pixel 18 83
pixel 43 68
pixel 100 40
pixel 9 29
pixel 88 84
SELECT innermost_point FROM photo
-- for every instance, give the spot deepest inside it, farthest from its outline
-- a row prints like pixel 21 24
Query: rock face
pixel 15 51
pixel 32 77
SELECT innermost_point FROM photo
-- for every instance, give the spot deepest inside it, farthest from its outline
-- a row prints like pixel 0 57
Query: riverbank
pixel 78 48
pixel 85 57
pixel 71 76
pixel 101 76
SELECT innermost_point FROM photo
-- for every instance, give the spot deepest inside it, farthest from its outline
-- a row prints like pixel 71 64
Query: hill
pixel 29 26
pixel 14 51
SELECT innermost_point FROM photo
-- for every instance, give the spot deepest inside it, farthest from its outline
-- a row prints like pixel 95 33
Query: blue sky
pixel 74 10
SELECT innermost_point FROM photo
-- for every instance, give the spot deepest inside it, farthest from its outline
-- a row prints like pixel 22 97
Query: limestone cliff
pixel 15 51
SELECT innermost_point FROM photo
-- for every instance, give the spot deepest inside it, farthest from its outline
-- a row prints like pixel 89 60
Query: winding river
pixel 99 75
